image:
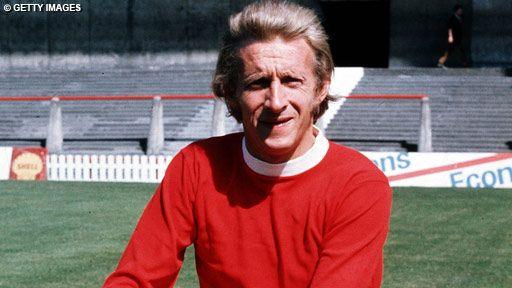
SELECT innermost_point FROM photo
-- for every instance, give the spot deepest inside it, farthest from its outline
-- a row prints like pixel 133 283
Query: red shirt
pixel 324 227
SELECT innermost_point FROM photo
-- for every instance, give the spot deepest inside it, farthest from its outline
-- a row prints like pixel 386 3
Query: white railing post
pixel 53 167
pixel 156 130
pixel 102 167
pixel 119 173
pixel 160 172
pixel 70 168
pixel 61 168
pixel 144 168
pixel 54 137
pixel 218 118
pixel 79 167
pixel 111 167
pixel 152 168
pixel 425 141
pixel 136 164
pixel 95 168
pixel 86 167
pixel 128 168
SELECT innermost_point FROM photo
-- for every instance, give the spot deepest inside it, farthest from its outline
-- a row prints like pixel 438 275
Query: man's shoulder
pixel 354 177
pixel 349 161
pixel 215 141
pixel 344 154
pixel 219 142
pixel 218 147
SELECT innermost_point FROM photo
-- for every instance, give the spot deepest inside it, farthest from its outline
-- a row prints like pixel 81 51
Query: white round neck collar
pixel 295 166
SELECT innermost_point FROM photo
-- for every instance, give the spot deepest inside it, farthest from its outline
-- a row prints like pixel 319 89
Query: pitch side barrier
pixel 459 170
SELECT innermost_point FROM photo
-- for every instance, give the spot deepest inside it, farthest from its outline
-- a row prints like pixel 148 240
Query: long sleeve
pixel 351 254
pixel 155 252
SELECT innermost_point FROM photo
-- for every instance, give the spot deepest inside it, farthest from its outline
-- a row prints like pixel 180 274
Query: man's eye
pixel 291 81
pixel 257 84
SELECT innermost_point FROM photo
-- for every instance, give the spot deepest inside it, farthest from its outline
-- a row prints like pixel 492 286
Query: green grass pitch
pixel 64 234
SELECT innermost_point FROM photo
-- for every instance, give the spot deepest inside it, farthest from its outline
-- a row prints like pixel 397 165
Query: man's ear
pixel 323 91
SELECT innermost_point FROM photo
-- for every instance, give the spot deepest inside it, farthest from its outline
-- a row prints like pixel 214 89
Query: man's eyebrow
pixel 292 75
pixel 255 76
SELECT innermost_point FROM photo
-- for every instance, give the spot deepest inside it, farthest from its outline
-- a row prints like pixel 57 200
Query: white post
pixel 218 118
pixel 102 167
pixel 95 168
pixel 425 141
pixel 156 130
pixel 136 164
pixel 54 137
pixel 111 167
pixel 86 167
pixel 128 168
pixel 119 168
pixel 152 168
pixel 160 172
pixel 53 167
pixel 70 168
pixel 62 168
pixel 144 168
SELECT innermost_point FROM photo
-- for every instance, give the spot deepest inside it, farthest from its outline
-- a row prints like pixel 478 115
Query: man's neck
pixel 295 166
pixel 285 156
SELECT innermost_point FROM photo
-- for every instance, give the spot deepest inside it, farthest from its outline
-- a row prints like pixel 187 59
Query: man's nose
pixel 276 99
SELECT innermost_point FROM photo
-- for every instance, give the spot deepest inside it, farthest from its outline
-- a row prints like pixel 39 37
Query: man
pixel 454 38
pixel 277 205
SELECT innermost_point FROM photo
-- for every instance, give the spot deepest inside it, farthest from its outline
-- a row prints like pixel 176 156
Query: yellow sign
pixel 27 166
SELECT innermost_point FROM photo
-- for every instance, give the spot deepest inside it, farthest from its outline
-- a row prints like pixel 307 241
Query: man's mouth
pixel 279 122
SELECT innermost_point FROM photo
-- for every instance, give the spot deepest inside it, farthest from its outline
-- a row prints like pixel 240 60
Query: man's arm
pixel 351 255
pixel 155 252
pixel 450 36
pixel 451 24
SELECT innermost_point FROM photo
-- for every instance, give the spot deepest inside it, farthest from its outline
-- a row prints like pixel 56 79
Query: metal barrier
pixel 425 129
pixel 155 140
pixel 156 134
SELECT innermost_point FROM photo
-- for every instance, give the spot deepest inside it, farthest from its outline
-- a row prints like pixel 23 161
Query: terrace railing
pixel 155 139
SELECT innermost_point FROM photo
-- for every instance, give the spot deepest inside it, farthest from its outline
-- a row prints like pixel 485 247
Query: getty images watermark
pixel 47 7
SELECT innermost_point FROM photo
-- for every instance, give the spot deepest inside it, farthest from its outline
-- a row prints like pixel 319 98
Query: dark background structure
pixel 369 33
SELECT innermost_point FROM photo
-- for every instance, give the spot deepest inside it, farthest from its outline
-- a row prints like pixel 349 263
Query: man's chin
pixel 278 146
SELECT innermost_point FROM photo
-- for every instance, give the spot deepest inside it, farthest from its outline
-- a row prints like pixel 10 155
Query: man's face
pixel 459 12
pixel 277 94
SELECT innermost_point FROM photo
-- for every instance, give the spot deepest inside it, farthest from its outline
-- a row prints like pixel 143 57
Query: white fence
pixel 5 162
pixel 112 168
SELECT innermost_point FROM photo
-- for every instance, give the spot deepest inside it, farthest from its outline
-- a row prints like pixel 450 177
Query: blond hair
pixel 264 21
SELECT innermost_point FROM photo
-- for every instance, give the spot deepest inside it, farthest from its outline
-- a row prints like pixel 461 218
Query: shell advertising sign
pixel 28 163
